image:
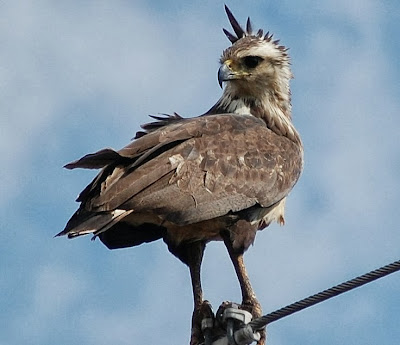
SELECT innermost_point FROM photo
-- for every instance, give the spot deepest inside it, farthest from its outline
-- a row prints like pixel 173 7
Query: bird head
pixel 254 65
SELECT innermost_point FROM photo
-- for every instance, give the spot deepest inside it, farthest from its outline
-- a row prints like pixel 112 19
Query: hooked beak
pixel 225 74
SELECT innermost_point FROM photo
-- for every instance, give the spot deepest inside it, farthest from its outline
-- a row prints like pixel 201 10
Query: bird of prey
pixel 220 176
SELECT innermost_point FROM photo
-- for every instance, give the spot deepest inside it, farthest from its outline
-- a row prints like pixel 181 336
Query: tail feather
pixel 95 160
pixel 84 222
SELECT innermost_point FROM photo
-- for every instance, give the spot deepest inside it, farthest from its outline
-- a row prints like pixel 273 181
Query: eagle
pixel 221 176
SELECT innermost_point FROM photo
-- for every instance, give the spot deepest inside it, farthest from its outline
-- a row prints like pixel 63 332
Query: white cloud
pixel 65 66
pixel 349 161
pixel 53 292
pixel 55 59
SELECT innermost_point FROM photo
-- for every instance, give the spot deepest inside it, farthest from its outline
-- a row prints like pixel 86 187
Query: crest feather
pixel 240 33
pixel 235 24
pixel 249 28
pixel 230 36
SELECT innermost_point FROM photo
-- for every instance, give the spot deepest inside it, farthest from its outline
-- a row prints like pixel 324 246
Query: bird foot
pixel 254 307
pixel 200 313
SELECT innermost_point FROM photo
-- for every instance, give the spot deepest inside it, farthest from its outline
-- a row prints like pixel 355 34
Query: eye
pixel 252 61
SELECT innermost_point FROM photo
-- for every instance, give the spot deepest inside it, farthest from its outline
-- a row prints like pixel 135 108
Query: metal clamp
pixel 236 330
pixel 240 315
pixel 246 335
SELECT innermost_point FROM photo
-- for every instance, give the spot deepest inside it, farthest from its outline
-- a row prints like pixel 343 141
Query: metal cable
pixel 262 321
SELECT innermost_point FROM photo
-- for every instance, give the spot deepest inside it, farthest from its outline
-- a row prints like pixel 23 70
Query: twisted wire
pixel 262 321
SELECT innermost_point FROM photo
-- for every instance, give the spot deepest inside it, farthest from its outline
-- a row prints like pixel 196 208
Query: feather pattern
pixel 219 176
pixel 189 179
pixel 201 168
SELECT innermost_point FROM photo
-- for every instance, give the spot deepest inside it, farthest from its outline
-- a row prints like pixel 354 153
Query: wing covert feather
pixel 222 173
pixel 198 169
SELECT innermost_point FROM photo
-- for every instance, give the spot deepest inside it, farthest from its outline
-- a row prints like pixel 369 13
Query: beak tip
pixel 222 74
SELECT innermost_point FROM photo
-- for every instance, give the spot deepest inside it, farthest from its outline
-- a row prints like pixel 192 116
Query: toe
pixel 200 313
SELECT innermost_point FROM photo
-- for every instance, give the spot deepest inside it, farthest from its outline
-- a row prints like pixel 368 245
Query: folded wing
pixel 187 171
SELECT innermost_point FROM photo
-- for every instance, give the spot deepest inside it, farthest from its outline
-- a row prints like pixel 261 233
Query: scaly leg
pixel 202 309
pixel 249 299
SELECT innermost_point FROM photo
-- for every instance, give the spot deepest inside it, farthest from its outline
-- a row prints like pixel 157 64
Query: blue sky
pixel 78 76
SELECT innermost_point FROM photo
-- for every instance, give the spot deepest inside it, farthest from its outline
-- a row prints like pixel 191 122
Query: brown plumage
pixel 220 176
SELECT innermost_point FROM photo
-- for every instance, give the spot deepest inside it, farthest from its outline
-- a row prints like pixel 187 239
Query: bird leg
pixel 249 299
pixel 202 309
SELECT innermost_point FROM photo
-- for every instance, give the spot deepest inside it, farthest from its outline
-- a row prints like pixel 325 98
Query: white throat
pixel 276 116
pixel 235 106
